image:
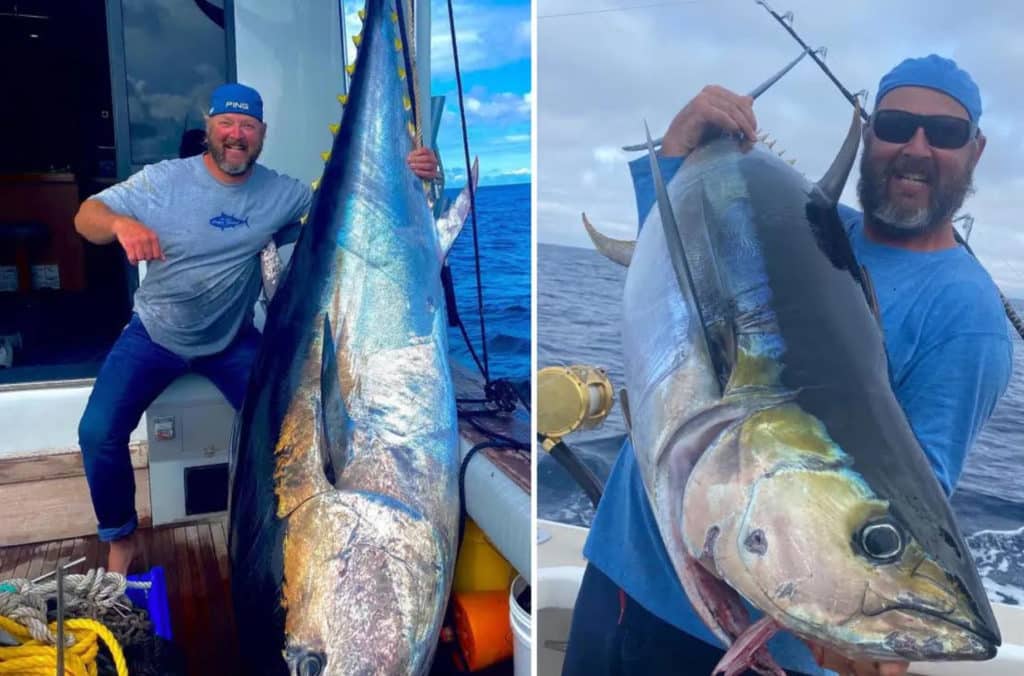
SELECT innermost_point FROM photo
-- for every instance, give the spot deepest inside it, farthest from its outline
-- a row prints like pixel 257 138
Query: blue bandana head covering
pixel 934 72
pixel 236 98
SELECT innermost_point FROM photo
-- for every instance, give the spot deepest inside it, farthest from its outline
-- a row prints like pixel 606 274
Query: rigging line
pixel 472 196
pixel 618 9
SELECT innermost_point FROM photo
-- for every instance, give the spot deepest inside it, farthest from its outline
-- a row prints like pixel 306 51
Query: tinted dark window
pixel 174 58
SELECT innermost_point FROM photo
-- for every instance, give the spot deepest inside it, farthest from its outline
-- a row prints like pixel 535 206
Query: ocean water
pixel 579 305
pixel 503 228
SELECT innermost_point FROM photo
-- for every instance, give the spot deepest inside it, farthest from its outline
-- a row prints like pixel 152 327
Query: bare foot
pixel 121 554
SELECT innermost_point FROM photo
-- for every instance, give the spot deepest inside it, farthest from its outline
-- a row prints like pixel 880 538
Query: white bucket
pixel 557 587
pixel 521 655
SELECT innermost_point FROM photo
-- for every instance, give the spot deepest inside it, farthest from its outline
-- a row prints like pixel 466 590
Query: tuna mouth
pixel 983 639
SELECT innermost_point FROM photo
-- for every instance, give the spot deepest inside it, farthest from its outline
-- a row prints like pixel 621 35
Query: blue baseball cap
pixel 236 98
pixel 934 72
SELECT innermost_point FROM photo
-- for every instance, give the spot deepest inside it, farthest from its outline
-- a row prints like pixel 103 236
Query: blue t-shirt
pixel 211 234
pixel 950 358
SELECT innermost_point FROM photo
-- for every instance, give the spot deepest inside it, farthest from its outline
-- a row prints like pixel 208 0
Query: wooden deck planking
pixel 195 561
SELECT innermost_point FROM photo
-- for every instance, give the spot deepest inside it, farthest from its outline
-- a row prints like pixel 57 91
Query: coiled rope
pixel 96 599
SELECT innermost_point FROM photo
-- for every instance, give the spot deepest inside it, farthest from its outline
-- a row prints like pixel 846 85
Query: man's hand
pixel 138 241
pixel 827 659
pixel 714 108
pixel 423 163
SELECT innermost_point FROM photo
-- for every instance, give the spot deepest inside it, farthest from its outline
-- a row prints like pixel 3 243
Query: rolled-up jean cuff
pixel 122 531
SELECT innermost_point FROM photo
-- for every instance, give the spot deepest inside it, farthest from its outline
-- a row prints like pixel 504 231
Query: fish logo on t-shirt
pixel 226 222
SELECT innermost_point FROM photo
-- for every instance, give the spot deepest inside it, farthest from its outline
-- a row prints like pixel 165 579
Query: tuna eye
pixel 311 664
pixel 881 541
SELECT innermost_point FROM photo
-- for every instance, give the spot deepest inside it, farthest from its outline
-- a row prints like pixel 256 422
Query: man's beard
pixel 946 196
pixel 217 152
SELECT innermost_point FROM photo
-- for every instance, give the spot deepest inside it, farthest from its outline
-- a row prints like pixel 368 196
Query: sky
pixel 494 39
pixel 601 72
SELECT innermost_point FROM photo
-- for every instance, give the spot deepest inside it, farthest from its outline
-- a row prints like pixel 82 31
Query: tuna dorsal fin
pixel 617 250
pixel 449 224
pixel 333 416
pixel 674 242
pixel 831 184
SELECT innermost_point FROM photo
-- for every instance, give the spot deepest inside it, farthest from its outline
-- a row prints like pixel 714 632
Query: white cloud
pixel 482 33
pixel 601 76
pixel 609 155
pixel 503 105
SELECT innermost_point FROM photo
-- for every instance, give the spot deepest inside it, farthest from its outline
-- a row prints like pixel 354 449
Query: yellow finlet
pixel 412 129
pixel 343 99
pixel 406 103
pixel 334 128
pixel 362 14
pixel 315 184
pixel 401 73
pixel 305 217
pixel 394 17
pixel 326 155
pixel 357 39
pixel 398 44
pixel 350 68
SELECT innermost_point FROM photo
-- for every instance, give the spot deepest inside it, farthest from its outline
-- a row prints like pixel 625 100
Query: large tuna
pixel 344 500
pixel 777 460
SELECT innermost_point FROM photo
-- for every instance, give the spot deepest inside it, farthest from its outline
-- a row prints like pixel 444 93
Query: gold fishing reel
pixel 571 398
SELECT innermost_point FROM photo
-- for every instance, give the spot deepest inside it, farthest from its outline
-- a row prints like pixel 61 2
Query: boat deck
pixel 194 557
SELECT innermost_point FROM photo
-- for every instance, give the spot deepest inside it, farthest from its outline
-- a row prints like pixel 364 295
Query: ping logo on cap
pixel 236 98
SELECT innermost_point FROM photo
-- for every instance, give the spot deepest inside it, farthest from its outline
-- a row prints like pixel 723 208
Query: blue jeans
pixel 135 372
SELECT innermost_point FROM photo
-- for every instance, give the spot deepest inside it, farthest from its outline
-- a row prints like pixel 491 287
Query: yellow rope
pixel 32 657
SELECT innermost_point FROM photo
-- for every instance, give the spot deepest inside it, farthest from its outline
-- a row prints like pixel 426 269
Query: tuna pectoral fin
pixel 749 651
pixel 676 251
pixel 616 250
pixel 719 606
pixel 333 416
pixel 450 223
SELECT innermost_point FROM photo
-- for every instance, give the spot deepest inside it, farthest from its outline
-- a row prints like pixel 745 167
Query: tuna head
pixel 809 541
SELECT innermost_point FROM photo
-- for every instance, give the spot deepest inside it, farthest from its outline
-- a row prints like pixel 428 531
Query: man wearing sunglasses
pixel 945 334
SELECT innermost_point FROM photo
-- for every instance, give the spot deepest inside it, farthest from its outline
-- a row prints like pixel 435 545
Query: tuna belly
pixel 365 585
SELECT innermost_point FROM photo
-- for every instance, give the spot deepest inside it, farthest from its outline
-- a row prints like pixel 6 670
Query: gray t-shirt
pixel 211 234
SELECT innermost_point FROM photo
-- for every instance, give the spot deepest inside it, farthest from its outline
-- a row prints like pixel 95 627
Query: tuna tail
pixel 616 250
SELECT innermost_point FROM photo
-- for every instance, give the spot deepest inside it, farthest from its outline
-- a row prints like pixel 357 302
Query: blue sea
pixel 578 297
pixel 503 228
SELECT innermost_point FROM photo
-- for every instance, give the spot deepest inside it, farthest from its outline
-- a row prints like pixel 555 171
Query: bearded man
pixel 946 338
pixel 201 223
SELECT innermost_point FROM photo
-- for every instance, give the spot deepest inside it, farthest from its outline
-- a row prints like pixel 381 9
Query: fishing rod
pixel 785 21
pixel 754 93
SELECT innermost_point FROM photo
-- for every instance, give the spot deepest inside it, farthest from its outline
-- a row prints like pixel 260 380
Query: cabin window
pixel 64 301
pixel 174 58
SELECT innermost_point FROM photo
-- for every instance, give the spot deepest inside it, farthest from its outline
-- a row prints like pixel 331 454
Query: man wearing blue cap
pixel 945 335
pixel 200 222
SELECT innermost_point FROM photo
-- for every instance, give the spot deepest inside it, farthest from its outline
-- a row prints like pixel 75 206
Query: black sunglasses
pixel 943 131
